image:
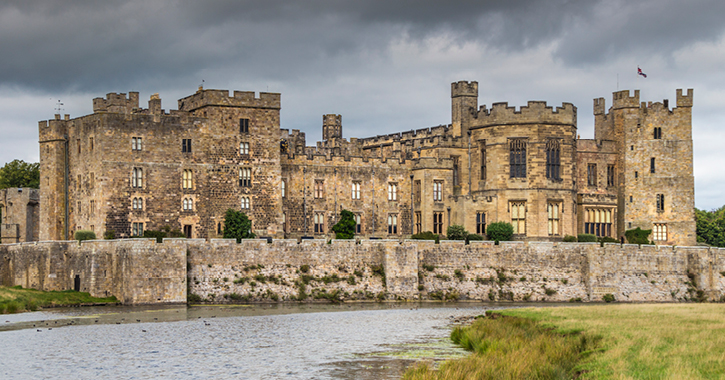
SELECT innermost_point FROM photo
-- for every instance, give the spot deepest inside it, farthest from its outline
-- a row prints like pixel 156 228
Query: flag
pixel 639 71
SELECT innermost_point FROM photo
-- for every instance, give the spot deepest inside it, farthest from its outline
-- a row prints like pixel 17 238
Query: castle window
pixel 244 148
pixel 657 133
pixel 187 181
pixel 418 222
pixel 219 228
pixel 517 158
pixel 553 215
pixel 553 159
pixel 245 177
pixel 456 171
pixel 319 188
pixel 79 208
pixel 518 217
pixel 187 204
pixel 358 224
pixel 392 191
pixel 480 223
pixel 92 208
pixel 610 175
pixel 437 222
pixel 92 182
pixel 392 224
pixel 652 165
pixel 284 188
pixel 598 222
pixel 186 146
pixel 78 142
pixel 137 178
pixel 660 232
pixel 660 202
pixel 245 203
pixel 90 144
pixel 437 191
pixel 137 229
pixel 243 126
pixel 79 182
pixel 319 219
pixel 187 231
pixel 355 190
pixel 136 143
pixel 636 174
pixel 417 191
pixel 592 174
pixel 137 203
pixel 284 222
pixel 483 160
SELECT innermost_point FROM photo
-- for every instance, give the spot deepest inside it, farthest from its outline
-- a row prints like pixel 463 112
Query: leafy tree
pixel 456 232
pixel 18 173
pixel 81 235
pixel 500 231
pixel 586 238
pixel 711 226
pixel 237 226
pixel 637 236
pixel 345 227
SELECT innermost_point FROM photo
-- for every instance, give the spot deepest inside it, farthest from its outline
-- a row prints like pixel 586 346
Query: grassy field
pixel 626 341
pixel 15 299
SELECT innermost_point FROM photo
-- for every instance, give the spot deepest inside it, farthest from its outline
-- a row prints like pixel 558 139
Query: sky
pixel 385 66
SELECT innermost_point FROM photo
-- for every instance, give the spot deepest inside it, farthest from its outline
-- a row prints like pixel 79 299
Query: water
pixel 372 341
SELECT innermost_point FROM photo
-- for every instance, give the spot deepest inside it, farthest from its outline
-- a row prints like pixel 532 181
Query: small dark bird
pixel 143 330
pixel 39 330
pixel 50 328
pixel 138 320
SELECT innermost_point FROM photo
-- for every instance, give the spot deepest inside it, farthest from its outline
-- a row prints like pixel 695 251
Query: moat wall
pixel 140 271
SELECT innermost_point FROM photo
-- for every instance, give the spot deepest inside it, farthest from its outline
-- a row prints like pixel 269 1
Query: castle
pixel 125 169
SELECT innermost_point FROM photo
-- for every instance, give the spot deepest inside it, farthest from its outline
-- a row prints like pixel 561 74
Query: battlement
pixel 424 133
pixel 331 126
pixel 432 163
pixel 221 98
pixel 685 100
pixel 464 88
pixel 116 103
pixel 622 99
pixel 599 106
pixel 535 112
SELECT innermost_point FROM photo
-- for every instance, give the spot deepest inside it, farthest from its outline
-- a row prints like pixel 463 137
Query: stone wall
pixel 139 271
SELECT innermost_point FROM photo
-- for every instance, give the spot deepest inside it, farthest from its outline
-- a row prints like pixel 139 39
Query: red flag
pixel 639 71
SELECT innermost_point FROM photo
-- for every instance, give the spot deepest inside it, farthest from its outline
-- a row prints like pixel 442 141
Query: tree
pixel 345 227
pixel 456 232
pixel 237 226
pixel 500 231
pixel 18 173
pixel 710 226
pixel 637 236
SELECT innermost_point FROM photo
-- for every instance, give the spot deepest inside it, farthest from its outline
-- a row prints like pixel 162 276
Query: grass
pixel 16 299
pixel 635 341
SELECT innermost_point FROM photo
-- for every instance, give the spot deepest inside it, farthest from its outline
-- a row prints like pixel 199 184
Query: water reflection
pixel 362 341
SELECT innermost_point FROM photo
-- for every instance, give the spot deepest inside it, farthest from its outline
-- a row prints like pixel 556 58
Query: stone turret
pixel 331 127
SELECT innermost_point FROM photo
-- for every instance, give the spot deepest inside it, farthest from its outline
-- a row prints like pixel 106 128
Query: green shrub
pixel 237 226
pixel 427 235
pixel 458 274
pixel 500 231
pixel 586 238
pixel 305 268
pixel 549 292
pixel 637 236
pixel 193 298
pixel 607 239
pixel 456 232
pixel 109 235
pixel 569 239
pixel 85 235
pixel 345 227
pixel 431 268
pixel 609 297
pixel 475 237
pixel 165 232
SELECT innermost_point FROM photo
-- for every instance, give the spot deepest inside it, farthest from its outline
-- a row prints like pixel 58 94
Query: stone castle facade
pixel 128 169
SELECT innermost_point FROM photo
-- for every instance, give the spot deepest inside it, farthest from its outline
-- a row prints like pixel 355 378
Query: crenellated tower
pixel 464 101
pixel 331 127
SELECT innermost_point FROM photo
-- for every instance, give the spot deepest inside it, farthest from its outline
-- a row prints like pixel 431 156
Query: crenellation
pixel 685 100
pixel 622 99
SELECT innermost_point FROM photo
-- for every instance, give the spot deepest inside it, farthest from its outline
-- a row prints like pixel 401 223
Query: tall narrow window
pixel 284 222
pixel 657 133
pixel 358 224
pixel 78 141
pixel 592 174
pixel 660 202
pixel 417 191
pixel 319 189
pixel 245 177
pixel 652 165
pixel 517 158
pixel 392 191
pixel 480 223
pixel 244 148
pixel 187 204
pixel 392 224
pixel 137 229
pixel 483 160
pixel 186 146
pixel 553 159
pixel 137 203
pixel 137 178
pixel 553 214
pixel 245 203
pixel 598 222
pixel 660 232
pixel 93 208
pixel 610 175
pixel 355 190
pixel 319 218
pixel 456 171
pixel 136 143
pixel 437 222
pixel 90 144
pixel 243 126
pixel 284 188
pixel 187 179
pixel 437 191
pixel 418 222
pixel 518 217
pixel 92 180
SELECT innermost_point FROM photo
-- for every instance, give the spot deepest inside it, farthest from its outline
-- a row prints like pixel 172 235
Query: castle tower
pixel 53 138
pixel 331 127
pixel 464 101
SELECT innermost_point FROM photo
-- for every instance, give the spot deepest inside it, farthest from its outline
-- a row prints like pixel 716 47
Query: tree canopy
pixel 345 227
pixel 19 173
pixel 237 226
pixel 711 226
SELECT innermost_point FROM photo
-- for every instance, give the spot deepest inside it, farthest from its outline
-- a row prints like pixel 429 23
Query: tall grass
pixel 15 299
pixel 511 348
